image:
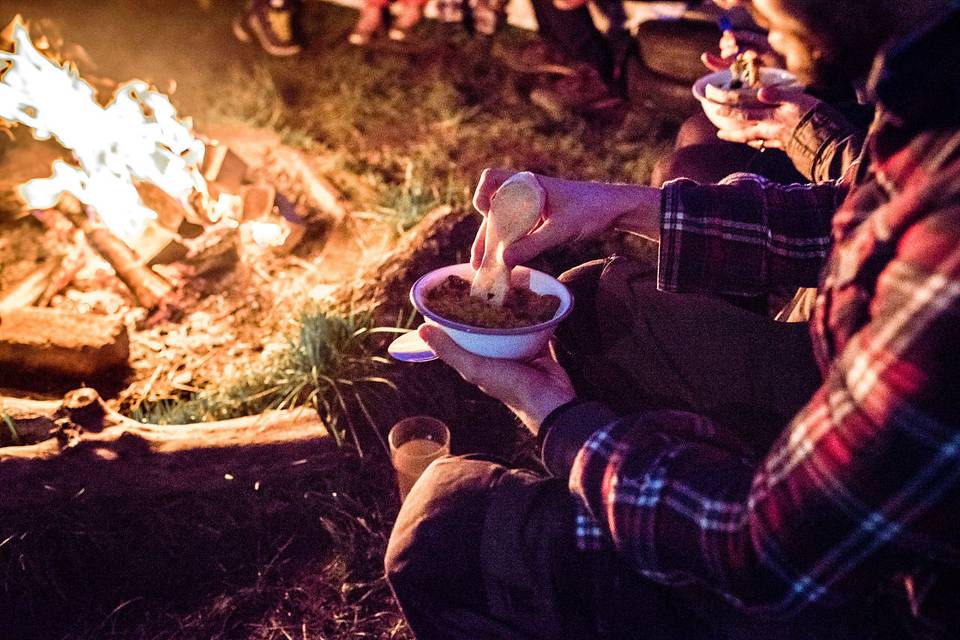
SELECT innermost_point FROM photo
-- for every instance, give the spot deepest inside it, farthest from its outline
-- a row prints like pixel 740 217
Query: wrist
pixel 640 213
pixel 546 407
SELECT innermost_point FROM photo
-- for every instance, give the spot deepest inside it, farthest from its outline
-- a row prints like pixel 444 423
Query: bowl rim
pixel 699 86
pixel 488 331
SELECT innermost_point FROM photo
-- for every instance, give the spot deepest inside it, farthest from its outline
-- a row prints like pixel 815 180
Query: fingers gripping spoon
pixel 514 210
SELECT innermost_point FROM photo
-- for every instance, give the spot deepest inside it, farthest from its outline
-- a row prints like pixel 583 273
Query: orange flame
pixel 137 136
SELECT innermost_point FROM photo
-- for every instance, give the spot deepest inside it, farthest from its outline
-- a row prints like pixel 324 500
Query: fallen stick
pixel 102 454
pixel 64 275
pixel 30 289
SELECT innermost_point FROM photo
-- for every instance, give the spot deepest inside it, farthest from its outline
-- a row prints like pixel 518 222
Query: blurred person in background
pixel 814 132
pixel 374 19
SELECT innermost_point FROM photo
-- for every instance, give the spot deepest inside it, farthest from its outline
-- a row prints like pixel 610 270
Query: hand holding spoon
pixel 514 210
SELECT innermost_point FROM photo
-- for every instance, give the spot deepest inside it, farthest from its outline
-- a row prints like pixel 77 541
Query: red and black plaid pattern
pixel 863 487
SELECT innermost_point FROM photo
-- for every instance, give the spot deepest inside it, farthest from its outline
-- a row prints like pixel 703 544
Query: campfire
pixel 143 198
pixel 149 207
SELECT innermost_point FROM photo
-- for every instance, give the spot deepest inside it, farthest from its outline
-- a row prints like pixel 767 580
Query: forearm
pixel 629 207
pixel 670 491
pixel 641 212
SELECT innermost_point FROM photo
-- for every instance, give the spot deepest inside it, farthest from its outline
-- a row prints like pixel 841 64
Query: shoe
pixel 371 21
pixel 583 93
pixel 273 24
pixel 410 15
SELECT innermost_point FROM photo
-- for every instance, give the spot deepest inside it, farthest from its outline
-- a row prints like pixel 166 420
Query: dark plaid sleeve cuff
pixel 823 143
pixel 743 236
pixel 567 428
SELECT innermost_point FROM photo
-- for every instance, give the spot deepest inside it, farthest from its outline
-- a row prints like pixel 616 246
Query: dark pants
pixel 483 551
pixel 574 32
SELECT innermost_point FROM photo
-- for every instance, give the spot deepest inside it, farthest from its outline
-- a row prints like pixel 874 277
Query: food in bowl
pixel 717 100
pixel 519 343
pixel 745 71
pixel 522 307
pixel 742 82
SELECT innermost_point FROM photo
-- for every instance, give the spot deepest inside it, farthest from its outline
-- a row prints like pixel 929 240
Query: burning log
pixel 62 343
pixel 148 287
pixel 158 245
pixel 102 454
pixel 170 213
pixel 64 275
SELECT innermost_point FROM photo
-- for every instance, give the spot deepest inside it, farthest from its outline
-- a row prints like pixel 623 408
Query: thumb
pixel 714 62
pixel 448 350
pixel 770 95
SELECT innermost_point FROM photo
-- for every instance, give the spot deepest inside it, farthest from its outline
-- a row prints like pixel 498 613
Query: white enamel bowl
pixel 514 344
pixel 769 77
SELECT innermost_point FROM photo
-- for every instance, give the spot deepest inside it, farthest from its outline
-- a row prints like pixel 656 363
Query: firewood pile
pixel 186 242
pixel 145 211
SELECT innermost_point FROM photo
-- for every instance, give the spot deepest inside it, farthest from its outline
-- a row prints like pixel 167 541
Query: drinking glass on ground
pixel 415 442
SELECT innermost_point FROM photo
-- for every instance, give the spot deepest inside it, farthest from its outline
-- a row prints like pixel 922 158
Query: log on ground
pixel 62 343
pixel 101 454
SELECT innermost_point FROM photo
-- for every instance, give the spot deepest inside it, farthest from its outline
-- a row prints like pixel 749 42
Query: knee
pixel 697 129
pixel 707 162
pixel 584 276
pixel 438 529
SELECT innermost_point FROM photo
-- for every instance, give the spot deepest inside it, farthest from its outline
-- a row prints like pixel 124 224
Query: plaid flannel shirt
pixel 861 488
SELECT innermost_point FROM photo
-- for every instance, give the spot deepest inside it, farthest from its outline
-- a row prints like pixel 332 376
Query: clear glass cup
pixel 415 442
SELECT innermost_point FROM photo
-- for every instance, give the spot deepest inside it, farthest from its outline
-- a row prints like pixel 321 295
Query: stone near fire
pixel 216 250
pixel 62 343
pixel 258 200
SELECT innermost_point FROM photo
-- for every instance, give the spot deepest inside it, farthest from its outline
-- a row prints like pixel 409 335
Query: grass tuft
pixel 330 364
pixel 11 428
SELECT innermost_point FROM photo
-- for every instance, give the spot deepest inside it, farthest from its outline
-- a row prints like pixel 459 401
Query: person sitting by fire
pixel 372 20
pixel 716 474
pixel 806 133
pixel 810 134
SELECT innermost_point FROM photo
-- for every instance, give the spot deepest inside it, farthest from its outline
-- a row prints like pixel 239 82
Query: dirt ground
pixel 304 560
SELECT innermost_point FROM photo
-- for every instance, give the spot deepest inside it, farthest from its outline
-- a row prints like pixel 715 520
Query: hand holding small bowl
pixel 520 343
pixel 763 116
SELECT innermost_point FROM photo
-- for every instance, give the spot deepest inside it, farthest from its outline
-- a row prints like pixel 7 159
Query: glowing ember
pixel 135 137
